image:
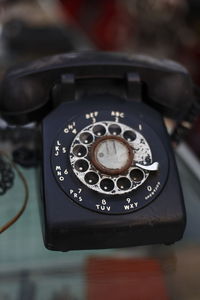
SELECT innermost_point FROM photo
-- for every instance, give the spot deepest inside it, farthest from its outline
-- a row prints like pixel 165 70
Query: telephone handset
pixel 168 84
pixel 109 177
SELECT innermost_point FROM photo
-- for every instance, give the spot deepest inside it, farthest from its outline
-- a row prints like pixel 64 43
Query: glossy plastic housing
pixel 25 90
pixel 69 226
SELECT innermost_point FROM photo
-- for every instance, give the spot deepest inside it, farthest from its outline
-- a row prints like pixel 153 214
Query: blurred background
pixel 32 29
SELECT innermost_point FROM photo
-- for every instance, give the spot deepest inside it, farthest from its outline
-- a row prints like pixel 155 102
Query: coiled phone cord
pixel 26 196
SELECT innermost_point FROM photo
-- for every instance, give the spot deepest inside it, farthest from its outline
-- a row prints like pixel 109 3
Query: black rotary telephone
pixel 109 177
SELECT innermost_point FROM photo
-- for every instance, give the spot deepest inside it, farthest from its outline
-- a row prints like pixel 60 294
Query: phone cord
pixel 26 190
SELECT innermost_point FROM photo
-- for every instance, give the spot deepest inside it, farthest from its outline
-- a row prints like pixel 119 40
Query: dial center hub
pixel 112 155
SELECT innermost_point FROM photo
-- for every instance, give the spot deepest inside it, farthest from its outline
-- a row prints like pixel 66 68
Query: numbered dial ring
pixel 109 166
pixel 104 157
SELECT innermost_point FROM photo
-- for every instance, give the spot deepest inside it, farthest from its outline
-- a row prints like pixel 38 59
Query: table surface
pixel 29 271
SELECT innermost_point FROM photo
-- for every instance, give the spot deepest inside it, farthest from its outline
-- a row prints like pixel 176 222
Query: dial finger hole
pixel 91 178
pixel 79 150
pixel 99 130
pixel 129 135
pixel 81 165
pixel 137 175
pixel 123 183
pixel 107 185
pixel 114 129
pixel 86 138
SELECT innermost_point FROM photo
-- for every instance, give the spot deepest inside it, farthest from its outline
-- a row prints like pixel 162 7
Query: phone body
pixel 109 177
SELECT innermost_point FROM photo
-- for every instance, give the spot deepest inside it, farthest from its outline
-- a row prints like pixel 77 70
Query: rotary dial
pixel 111 158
